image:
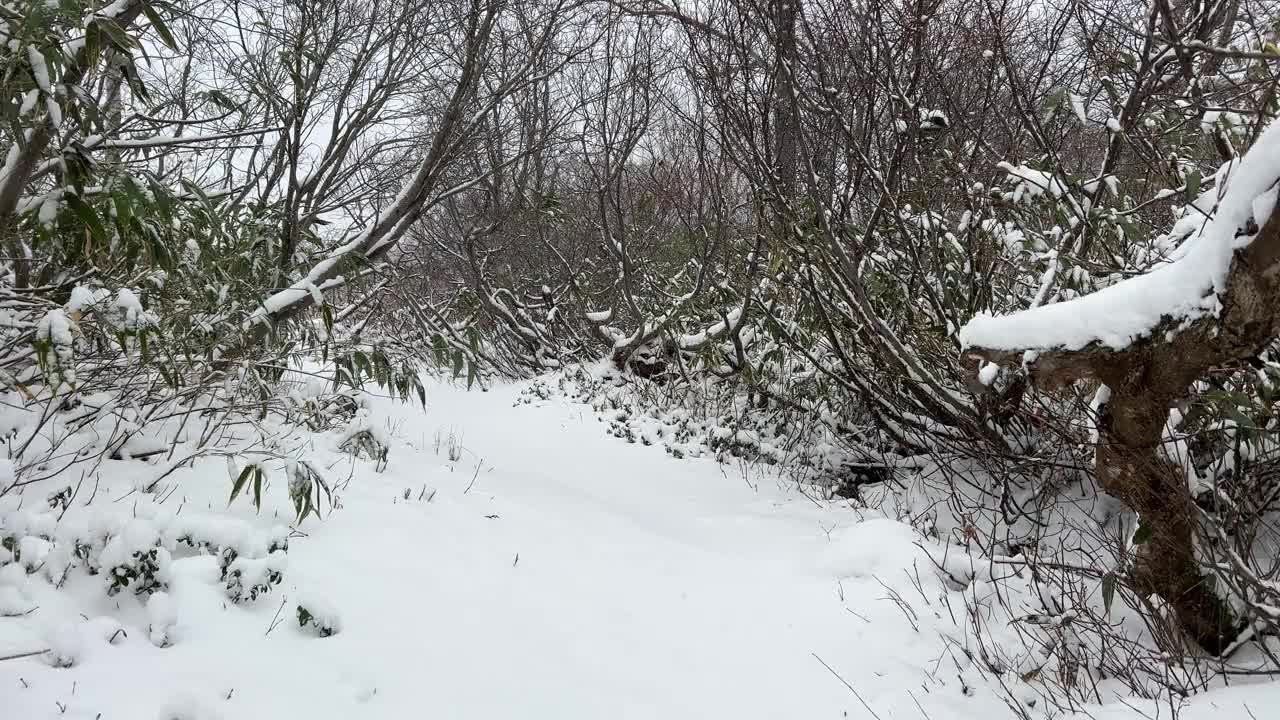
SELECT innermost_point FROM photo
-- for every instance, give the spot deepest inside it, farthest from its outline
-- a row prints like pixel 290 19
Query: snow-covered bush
pixel 14 599
pixel 137 300
pixel 725 420
pixel 363 439
pixel 306 485
pixel 319 616
pixel 326 410
pixel 134 559
pixel 248 578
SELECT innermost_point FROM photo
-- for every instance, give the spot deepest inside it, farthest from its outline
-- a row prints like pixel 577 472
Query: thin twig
pixel 22 655
pixel 846 684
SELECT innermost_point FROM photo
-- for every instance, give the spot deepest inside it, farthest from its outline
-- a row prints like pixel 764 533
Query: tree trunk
pixel 1129 467
pixel 785 118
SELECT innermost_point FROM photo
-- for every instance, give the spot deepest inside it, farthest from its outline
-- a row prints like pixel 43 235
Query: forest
pixel 1002 272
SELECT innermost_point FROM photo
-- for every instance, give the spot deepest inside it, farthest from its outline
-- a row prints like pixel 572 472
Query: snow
pixel 698 339
pixel 33 550
pixel 988 372
pixel 28 102
pixel 878 547
pixel 323 615
pixel 1208 121
pixel 39 69
pixel 1077 107
pixel 549 571
pixel 162 616
pixel 128 304
pixel 55 328
pixel 138 535
pixel 84 297
pixel 1183 289
pixel 55 112
pixel 65 643
pixel 1031 182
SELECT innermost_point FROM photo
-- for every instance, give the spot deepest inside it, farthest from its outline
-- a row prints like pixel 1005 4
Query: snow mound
pixel 873 548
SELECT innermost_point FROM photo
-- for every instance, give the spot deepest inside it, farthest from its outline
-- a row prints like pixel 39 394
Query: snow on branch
pixel 1175 293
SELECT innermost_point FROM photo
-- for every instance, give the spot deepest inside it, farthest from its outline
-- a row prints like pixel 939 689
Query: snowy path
pixel 645 587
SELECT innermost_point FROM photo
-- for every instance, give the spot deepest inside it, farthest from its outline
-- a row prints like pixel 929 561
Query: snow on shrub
pixel 134 554
pixel 55 334
pixel 207 532
pixel 162 616
pixel 306 484
pixel 319 410
pixel 248 578
pixel 318 615
pixel 134 559
pixel 14 600
pixel 363 439
pixel 32 551
pixel 65 644
pixel 709 420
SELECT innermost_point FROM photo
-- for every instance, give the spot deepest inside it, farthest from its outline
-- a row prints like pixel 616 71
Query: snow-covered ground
pixel 549 571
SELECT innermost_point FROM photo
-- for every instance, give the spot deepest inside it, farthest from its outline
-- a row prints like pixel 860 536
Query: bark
pixel 785 117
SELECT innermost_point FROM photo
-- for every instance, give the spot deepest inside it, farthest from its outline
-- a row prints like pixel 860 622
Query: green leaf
pixel 124 209
pixel 135 83
pixel 1242 421
pixel 257 488
pixel 1108 590
pixel 87 215
pixel 92 43
pixel 118 38
pixel 161 29
pixel 1193 184
pixel 217 97
pixel 361 365
pixel 239 483
pixel 199 192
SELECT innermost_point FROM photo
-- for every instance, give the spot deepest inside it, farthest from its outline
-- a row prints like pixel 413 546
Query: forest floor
pixel 546 570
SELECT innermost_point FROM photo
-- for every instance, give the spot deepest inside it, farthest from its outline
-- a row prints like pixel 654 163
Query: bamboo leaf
pixel 1108 590
pixel 160 27
pixel 240 481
